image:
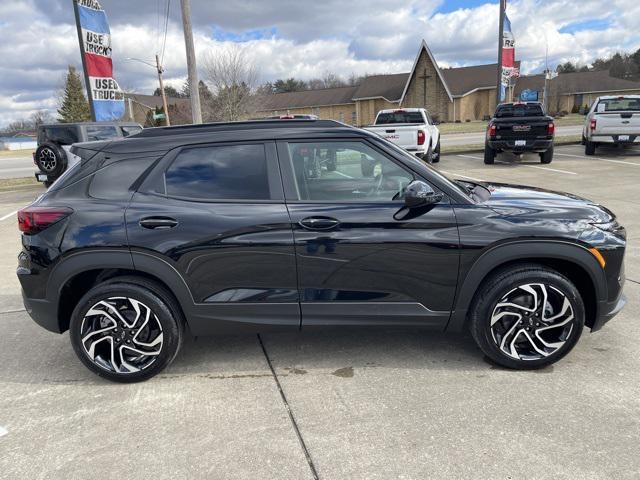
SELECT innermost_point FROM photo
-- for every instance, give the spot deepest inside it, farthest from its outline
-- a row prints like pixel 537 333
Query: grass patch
pixel 9 183
pixel 16 153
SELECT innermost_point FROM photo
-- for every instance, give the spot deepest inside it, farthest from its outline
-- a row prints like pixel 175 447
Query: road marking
pixel 470 156
pixel 8 215
pixel 463 176
pixel 3 431
pixel 551 169
pixel 598 158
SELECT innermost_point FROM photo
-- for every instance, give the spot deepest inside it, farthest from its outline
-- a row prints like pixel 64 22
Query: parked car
pixel 411 129
pixel 519 128
pixel 221 228
pixel 613 120
pixel 53 157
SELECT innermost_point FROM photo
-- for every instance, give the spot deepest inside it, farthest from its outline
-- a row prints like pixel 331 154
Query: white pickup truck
pixel 411 129
pixel 612 120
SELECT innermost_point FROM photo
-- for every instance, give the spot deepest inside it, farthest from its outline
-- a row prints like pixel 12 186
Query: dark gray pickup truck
pixel 519 128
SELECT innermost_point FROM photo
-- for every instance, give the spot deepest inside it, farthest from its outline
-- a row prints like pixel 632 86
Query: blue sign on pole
pixel 529 95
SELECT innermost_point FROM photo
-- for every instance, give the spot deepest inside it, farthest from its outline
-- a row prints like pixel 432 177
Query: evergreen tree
pixel 74 106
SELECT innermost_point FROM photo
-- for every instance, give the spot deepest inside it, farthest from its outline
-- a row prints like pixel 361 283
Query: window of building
pixel 230 172
pixel 315 111
pixel 354 118
pixel 341 117
pixel 345 171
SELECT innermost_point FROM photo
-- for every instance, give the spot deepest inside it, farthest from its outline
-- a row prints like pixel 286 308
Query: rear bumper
pixel 614 139
pixel 532 145
pixel 42 312
pixel 44 177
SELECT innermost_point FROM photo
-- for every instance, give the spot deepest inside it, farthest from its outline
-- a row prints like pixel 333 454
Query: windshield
pixel 519 110
pixel 621 104
pixel 399 117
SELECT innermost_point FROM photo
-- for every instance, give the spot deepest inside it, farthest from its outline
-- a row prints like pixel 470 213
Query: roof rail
pixel 243 125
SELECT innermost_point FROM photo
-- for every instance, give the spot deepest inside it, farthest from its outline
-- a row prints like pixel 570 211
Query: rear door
pixel 216 215
pixel 362 258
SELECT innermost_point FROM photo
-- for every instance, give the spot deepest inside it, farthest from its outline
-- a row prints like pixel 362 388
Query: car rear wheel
pixel 435 156
pixel 546 157
pixel 589 148
pixel 428 156
pixel 489 155
pixel 50 159
pixel 527 317
pixel 126 330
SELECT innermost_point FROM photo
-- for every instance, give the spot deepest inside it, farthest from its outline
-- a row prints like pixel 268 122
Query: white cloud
pixel 297 38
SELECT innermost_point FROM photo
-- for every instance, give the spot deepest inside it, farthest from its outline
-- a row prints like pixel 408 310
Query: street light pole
pixel 164 97
pixel 194 86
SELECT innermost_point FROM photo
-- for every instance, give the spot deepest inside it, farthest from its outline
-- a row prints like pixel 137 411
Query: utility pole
pixel 503 7
pixel 194 87
pixel 164 96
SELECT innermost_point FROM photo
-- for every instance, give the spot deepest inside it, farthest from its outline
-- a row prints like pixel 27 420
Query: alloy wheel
pixel 532 321
pixel 121 335
pixel 48 159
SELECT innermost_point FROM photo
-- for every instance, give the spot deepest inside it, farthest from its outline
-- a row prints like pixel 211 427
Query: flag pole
pixel 84 64
pixel 503 7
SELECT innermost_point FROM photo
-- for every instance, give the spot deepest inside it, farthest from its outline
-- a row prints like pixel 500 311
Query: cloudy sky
pixel 300 38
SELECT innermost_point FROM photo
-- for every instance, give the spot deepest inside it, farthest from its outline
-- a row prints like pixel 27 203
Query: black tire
pixel 167 317
pixel 589 148
pixel 546 157
pixel 47 184
pixel 583 141
pixel 428 156
pixel 509 281
pixel 435 156
pixel 489 155
pixel 51 159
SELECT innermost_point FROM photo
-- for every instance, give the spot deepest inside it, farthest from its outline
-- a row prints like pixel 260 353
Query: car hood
pixel 509 199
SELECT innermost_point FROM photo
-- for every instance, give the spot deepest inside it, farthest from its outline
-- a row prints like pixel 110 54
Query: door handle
pixel 158 223
pixel 319 223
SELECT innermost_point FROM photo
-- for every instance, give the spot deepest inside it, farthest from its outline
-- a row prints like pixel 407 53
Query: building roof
pixel 424 47
pixel 309 98
pixel 389 87
pixel 155 101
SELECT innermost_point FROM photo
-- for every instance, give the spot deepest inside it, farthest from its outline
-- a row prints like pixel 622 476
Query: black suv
pixel 519 128
pixel 52 157
pixel 223 228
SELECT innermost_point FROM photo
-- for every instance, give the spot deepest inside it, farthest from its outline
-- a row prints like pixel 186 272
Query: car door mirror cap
pixel 419 193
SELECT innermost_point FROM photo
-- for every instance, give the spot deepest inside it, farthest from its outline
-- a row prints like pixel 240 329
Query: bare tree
pixel 41 117
pixel 232 79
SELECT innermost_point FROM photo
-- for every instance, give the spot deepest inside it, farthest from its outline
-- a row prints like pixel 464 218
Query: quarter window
pixel 345 171
pixel 230 172
pixel 101 133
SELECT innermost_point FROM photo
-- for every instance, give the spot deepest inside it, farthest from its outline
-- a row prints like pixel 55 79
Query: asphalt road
pixel 17 166
pixel 342 404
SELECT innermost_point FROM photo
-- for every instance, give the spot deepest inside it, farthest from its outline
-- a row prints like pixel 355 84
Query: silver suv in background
pixel 613 120
pixel 53 155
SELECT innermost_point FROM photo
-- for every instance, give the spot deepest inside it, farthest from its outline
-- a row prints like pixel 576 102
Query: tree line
pixel 620 65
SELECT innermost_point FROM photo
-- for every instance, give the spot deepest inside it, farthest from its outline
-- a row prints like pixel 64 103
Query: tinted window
pixel 619 105
pixel 61 135
pixel 399 117
pixel 114 181
pixel 126 131
pixel 519 110
pixel 345 171
pixel 101 133
pixel 232 172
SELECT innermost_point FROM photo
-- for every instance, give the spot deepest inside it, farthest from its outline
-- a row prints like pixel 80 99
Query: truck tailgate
pixel 520 128
pixel 405 136
pixel 617 123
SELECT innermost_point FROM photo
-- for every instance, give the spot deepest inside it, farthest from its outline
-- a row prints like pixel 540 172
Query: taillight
pixel 551 129
pixel 421 137
pixel 35 219
pixel 593 124
pixel 492 130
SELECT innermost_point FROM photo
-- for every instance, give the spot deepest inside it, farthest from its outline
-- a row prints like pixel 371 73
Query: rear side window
pixel 130 130
pixel 114 181
pixel 60 135
pixel 399 117
pixel 519 110
pixel 621 104
pixel 228 172
pixel 95 133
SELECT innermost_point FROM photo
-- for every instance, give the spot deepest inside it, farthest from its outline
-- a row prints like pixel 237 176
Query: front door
pixel 216 215
pixel 362 258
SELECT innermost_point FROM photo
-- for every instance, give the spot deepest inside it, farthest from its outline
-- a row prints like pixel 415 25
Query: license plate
pixel 623 138
pixel 521 143
pixel 42 178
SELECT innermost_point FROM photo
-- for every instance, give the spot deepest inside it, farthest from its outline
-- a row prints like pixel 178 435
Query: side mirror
pixel 419 193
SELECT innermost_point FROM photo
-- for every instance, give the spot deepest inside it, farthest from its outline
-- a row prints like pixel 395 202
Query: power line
pixel 166 26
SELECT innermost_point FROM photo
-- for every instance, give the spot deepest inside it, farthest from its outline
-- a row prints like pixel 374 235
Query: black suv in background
pixel 53 157
pixel 224 228
pixel 520 128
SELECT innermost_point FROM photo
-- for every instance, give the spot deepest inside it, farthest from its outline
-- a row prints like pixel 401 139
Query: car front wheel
pixel 126 330
pixel 527 317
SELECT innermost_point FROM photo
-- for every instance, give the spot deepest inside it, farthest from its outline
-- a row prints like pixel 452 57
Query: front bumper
pixel 531 145
pixel 608 310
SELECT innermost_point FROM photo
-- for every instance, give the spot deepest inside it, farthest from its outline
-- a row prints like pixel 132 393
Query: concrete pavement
pixel 367 404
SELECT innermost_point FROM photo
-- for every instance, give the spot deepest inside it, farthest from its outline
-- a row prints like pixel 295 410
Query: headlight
pixel 613 226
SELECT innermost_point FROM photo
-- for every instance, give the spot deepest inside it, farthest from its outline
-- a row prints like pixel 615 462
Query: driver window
pixel 345 171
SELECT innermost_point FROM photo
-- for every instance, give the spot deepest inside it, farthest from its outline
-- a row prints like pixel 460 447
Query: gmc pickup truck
pixel 612 120
pixel 411 129
pixel 519 128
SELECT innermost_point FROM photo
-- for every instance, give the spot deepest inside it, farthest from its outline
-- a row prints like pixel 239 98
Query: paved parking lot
pixel 340 404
